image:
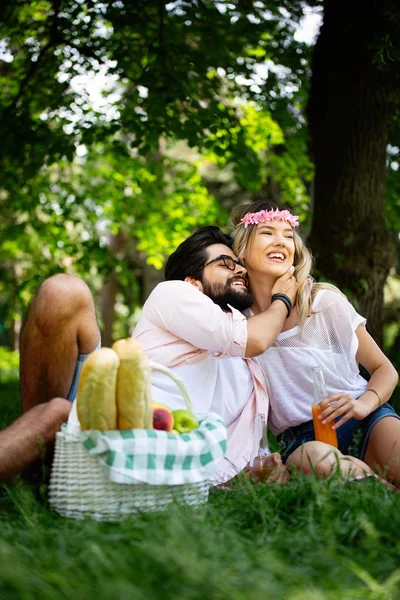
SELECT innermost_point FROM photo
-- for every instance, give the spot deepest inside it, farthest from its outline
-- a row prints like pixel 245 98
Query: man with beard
pixel 192 324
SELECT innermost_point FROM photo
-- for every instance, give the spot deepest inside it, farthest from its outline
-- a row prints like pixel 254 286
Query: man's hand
pixel 286 284
pixel 268 468
pixel 272 460
pixel 279 475
pixel 263 328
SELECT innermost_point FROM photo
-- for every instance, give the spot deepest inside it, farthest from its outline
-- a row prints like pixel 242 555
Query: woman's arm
pixel 384 376
pixel 383 381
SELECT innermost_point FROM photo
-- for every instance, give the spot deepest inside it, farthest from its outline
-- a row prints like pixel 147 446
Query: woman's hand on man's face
pixel 286 284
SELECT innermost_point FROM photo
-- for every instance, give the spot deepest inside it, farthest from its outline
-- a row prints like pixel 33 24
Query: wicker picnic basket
pixel 79 487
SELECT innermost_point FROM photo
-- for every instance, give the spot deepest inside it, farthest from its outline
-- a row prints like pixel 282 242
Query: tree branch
pixel 53 38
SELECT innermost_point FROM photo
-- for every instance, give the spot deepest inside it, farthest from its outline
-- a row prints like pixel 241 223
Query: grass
pixel 309 540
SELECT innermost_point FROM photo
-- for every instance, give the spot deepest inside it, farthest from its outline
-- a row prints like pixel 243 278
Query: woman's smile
pixel 276 256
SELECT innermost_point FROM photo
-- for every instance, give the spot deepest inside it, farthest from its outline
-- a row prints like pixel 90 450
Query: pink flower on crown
pixel 265 216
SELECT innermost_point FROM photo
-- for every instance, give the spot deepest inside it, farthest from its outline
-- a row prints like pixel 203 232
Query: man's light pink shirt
pixel 180 326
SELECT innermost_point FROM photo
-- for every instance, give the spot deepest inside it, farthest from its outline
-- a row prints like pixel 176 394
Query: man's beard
pixel 227 294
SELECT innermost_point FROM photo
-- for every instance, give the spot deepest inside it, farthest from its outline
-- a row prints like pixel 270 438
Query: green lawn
pixel 308 540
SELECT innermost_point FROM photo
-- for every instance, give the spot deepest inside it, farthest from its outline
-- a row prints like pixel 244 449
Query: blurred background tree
pixel 203 104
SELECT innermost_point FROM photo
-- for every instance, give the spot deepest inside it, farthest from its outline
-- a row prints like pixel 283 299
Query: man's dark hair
pixel 191 255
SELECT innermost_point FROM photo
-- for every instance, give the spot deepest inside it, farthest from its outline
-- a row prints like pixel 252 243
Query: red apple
pixel 162 417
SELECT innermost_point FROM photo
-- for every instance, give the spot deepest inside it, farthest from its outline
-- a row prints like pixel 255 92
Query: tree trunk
pixel 350 112
pixel 109 293
pixel 108 298
pixel 151 278
pixel 15 332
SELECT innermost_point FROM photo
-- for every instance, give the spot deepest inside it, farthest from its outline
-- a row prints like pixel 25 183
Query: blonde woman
pixel 321 329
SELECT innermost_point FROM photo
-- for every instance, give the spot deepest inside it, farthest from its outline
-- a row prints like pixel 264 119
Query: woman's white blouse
pixel 328 339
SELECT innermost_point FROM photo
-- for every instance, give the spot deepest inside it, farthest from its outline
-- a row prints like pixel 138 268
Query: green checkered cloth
pixel 158 457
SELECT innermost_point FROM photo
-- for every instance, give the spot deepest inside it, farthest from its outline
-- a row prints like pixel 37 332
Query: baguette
pixel 133 386
pixel 96 398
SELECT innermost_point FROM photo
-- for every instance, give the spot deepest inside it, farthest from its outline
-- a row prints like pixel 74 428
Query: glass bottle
pixel 259 468
pixel 323 433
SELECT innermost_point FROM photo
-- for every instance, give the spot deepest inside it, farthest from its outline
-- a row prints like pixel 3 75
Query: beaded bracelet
pixel 376 394
pixel 285 299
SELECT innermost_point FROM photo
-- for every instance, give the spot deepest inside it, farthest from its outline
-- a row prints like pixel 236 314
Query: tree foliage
pixel 178 71
pixel 203 106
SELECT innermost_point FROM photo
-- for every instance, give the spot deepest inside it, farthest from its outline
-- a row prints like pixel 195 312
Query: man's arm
pixel 264 328
pixel 181 309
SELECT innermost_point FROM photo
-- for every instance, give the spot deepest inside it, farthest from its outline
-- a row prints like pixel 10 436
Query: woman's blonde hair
pixel 243 239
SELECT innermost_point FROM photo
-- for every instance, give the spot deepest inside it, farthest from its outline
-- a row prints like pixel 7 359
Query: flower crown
pixel 265 216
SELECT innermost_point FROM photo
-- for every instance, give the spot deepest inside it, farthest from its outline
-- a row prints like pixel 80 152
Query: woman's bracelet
pixel 376 394
pixel 285 299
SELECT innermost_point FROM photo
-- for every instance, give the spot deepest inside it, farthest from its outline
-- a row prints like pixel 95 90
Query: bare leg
pixel 61 323
pixel 25 440
pixel 383 449
pixel 322 459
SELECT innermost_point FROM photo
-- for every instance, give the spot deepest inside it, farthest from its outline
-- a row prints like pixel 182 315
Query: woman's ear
pixel 196 282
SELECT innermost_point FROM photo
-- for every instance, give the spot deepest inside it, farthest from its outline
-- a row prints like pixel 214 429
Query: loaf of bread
pixel 96 398
pixel 133 386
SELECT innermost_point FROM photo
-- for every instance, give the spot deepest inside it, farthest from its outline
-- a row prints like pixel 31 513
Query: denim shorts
pixel 352 436
pixel 78 368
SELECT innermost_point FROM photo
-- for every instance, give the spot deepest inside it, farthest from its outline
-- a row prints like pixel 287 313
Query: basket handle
pixel 179 382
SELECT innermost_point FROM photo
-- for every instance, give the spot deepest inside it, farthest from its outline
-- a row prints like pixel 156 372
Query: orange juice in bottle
pixel 323 433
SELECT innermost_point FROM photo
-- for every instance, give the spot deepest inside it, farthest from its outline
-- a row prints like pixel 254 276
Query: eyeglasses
pixel 228 262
